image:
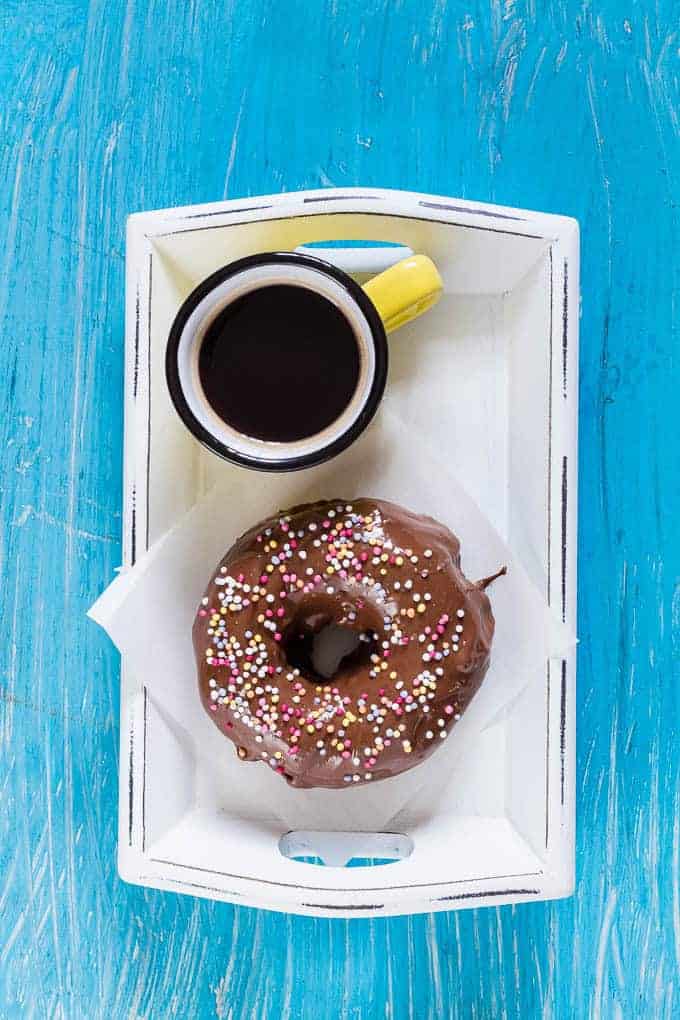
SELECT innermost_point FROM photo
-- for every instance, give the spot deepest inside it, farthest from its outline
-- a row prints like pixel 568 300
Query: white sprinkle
pixel 427 553
pixel 460 614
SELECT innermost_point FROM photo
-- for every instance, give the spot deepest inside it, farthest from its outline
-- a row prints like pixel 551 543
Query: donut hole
pixel 329 651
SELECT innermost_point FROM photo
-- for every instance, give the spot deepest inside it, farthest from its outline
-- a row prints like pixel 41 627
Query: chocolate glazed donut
pixel 416 636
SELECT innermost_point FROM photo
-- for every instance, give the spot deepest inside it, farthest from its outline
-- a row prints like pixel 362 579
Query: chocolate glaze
pixel 390 575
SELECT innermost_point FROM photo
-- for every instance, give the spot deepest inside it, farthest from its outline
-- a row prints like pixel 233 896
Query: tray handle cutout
pixel 345 849
pixel 361 259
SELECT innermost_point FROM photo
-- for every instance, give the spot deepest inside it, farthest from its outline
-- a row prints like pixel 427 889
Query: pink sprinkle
pixel 348 743
pixel 280 611
pixel 202 612
pixel 346 754
pixel 277 636
pixel 293 577
pixel 270 670
pixel 339 711
pixel 317 578
pixel 449 709
pixel 268 612
pixel 241 578
pixel 263 579
pixel 363 557
pixel 359 576
pixel 282 594
pixel 286 578
pixel 386 653
pixel 213 708
pixel 293 543
pixel 293 750
pixel 326 524
pixel 444 618
pixel 285 526
pixel 381 691
pixel 259 538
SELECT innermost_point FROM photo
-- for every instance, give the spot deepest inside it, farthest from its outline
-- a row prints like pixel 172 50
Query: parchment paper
pixel 148 612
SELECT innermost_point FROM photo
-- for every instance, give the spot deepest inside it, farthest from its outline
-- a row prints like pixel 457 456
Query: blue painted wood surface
pixel 113 106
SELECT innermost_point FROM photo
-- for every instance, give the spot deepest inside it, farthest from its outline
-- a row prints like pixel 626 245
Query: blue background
pixel 112 106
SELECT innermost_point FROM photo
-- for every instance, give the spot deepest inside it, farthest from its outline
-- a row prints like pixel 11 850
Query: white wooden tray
pixel 511 308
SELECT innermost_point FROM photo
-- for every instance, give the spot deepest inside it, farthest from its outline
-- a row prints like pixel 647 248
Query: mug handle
pixel 405 290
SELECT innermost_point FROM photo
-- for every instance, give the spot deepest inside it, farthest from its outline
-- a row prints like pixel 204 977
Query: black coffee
pixel 281 363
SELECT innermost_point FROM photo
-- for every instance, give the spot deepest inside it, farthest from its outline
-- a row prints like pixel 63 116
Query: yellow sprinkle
pixel 410 613
pixel 269 568
pixel 384 557
pixel 421 607
pixel 273 544
pixel 399 561
pixel 393 675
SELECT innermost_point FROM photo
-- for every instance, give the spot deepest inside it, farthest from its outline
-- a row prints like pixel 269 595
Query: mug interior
pixel 213 304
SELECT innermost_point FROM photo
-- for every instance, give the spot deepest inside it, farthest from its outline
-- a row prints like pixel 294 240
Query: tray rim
pixel 561 235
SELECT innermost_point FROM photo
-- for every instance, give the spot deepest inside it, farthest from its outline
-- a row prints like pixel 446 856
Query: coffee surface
pixel 279 364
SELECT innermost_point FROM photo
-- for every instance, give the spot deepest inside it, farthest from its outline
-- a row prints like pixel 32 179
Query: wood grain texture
pixel 113 106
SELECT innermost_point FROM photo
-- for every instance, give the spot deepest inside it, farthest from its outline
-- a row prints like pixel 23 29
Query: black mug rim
pixel 324 453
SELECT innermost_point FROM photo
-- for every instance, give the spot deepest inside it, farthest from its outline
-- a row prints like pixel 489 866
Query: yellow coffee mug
pixel 278 361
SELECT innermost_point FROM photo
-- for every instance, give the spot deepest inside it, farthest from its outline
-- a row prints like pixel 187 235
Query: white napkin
pixel 148 612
